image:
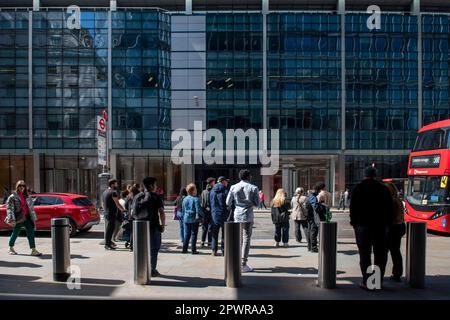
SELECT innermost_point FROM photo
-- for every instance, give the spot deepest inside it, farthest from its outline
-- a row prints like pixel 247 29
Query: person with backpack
pixel 316 214
pixel 117 234
pixel 219 213
pixel 242 197
pixel 192 215
pixel 300 214
pixel 205 203
pixel 148 206
pixel 280 218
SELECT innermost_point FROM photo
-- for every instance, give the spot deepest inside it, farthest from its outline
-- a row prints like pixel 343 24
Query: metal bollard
pixel 233 240
pixel 141 251
pixel 416 237
pixel 327 255
pixel 60 249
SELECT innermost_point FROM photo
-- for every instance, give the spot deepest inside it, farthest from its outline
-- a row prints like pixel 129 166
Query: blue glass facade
pixel 70 79
pixel 141 79
pixel 435 60
pixel 225 54
pixel 70 86
pixel 381 82
pixel 234 72
pixel 304 86
pixel 14 127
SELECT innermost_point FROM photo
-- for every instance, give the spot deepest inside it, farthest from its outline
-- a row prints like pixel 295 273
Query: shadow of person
pixel 182 281
pixel 17 264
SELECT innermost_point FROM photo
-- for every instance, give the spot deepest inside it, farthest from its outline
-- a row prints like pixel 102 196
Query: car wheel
pixel 72 229
pixel 85 230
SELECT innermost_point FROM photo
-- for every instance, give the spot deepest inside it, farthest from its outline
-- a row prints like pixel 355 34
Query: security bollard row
pixel 415 253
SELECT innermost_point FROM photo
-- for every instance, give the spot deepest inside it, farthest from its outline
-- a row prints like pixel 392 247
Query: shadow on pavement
pixel 348 252
pixel 11 264
pixel 191 282
pixel 346 242
pixel 109 282
pixel 90 235
pixel 72 256
pixel 295 288
pixel 265 255
pixel 437 233
pixel 13 277
pixel 291 270
pixel 273 247
pixel 28 288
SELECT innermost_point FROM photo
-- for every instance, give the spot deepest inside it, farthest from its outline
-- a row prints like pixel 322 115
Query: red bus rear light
pixel 447 172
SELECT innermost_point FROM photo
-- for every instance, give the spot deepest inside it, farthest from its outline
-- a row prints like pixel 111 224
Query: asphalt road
pixel 263 228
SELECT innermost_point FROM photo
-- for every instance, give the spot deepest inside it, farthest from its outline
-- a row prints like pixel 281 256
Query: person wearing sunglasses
pixel 20 214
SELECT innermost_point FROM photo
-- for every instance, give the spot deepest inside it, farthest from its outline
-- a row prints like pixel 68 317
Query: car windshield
pixel 429 191
pixel 432 139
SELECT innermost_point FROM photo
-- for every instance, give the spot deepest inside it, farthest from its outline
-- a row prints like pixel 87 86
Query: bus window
pixel 432 139
pixel 415 190
pixel 428 191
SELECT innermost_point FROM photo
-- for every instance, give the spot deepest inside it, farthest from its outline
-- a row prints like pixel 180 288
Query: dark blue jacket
pixel 317 210
pixel 218 196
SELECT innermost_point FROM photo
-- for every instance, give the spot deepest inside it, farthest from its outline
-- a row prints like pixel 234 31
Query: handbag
pixel 19 217
pixel 175 214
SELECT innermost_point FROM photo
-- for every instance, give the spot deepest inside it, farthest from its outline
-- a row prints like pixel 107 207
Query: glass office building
pixel 343 94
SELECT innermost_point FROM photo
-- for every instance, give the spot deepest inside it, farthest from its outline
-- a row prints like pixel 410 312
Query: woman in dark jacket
pixel 20 214
pixel 280 218
pixel 395 233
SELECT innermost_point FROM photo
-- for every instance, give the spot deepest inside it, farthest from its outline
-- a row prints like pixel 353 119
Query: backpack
pixel 280 214
pixel 141 206
pixel 305 207
pixel 320 213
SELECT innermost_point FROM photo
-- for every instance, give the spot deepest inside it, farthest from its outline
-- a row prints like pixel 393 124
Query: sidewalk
pixel 279 273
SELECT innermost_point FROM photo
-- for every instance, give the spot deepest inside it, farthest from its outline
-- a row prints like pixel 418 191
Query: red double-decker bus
pixel 427 196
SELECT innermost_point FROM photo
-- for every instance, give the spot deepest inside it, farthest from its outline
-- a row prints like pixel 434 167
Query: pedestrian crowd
pixel 376 214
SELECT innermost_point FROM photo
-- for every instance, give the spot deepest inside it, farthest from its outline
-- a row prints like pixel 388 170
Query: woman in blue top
pixel 192 214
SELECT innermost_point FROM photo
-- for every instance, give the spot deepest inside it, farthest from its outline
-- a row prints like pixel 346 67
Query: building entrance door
pixel 308 177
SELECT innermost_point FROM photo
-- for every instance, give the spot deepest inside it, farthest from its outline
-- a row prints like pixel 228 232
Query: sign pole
pixel 105 116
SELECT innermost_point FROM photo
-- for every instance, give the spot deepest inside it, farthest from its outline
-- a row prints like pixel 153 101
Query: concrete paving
pixel 279 273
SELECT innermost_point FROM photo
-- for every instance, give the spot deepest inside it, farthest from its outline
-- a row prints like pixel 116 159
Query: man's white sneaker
pixel 246 268
pixel 12 251
pixel 277 244
pixel 285 245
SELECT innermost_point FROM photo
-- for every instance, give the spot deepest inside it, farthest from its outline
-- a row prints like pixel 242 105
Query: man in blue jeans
pixel 149 206
pixel 219 212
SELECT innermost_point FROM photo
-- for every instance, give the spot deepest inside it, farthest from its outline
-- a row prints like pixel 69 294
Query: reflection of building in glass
pixel 70 84
pixel 343 96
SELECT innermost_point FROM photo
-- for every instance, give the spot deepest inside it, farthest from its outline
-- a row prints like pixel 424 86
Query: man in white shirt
pixel 242 197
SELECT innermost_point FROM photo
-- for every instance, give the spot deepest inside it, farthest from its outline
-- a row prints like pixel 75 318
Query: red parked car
pixel 79 209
